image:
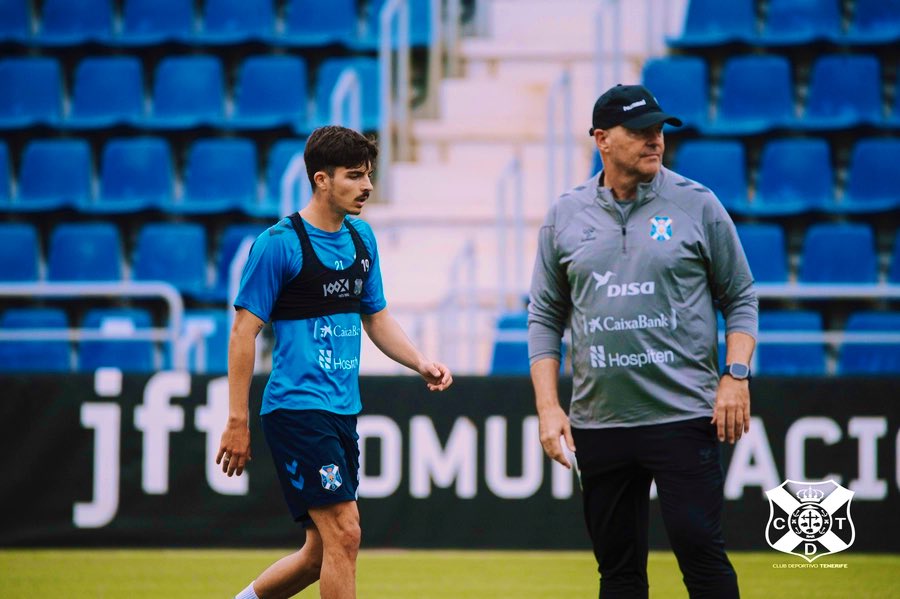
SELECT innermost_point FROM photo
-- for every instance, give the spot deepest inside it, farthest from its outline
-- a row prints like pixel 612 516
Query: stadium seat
pixel 311 23
pixel 874 22
pixel 844 91
pixel 74 22
pixel 118 349
pixel 366 70
pixel 419 23
pixel 745 106
pixel 210 354
pixel 794 22
pixel 237 21
pixel 719 165
pixel 279 157
pixel 174 253
pixel 713 23
pixel 232 238
pixel 795 176
pixel 220 175
pixel 873 179
pixel 108 91
pixel 32 355
pixel 839 253
pixel 871 358
pixel 15 20
pixel 801 359
pixel 680 84
pixel 54 173
pixel 894 268
pixel 596 163
pixel 19 253
pixel 765 247
pixel 5 176
pixel 511 345
pixel 188 91
pixel 894 119
pixel 30 92
pixel 136 174
pixel 271 92
pixel 85 252
pixel 147 22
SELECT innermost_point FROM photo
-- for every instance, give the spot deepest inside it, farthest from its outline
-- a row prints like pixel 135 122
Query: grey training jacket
pixel 640 298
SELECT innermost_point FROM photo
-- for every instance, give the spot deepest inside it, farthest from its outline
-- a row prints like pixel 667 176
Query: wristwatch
pixel 738 371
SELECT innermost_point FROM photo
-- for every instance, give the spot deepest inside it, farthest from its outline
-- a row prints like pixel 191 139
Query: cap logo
pixel 634 105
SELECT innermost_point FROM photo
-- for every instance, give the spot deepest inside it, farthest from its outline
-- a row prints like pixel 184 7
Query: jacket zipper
pixel 624 247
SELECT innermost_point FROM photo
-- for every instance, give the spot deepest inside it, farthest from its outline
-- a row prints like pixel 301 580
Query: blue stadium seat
pixel 312 23
pixel 30 92
pixel 511 344
pixel 220 175
pixel 873 179
pixel 108 91
pixel 210 355
pixel 839 253
pixel 85 252
pixel 5 176
pixel 713 23
pixel 801 359
pixel 147 22
pixel 279 157
pixel 54 173
pixel 894 268
pixel 15 23
pixel 680 84
pixel 894 119
pixel 745 106
pixel 794 22
pixel 232 238
pixel 596 163
pixel 844 91
pixel 188 91
pixel 874 22
pixel 871 358
pixel 719 165
pixel 136 174
pixel 271 92
pixel 419 23
pixel 74 22
pixel 34 356
pixel 172 252
pixel 765 247
pixel 19 253
pixel 795 176
pixel 118 349
pixel 236 21
pixel 366 70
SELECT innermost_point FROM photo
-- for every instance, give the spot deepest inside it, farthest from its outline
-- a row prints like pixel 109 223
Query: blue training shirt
pixel 315 363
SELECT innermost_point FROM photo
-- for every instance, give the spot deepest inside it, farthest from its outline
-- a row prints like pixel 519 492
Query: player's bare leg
pixel 292 573
pixel 338 526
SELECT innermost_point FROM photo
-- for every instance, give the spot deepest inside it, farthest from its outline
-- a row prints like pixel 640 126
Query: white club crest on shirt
pixel 661 228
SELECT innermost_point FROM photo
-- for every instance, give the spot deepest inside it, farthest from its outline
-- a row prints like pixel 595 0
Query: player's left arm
pixel 387 335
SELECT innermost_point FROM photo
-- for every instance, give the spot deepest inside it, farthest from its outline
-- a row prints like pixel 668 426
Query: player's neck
pixel 321 216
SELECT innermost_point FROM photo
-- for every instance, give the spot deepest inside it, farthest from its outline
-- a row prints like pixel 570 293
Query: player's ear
pixel 321 179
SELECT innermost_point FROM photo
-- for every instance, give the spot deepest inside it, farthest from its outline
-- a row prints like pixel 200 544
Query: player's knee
pixel 348 537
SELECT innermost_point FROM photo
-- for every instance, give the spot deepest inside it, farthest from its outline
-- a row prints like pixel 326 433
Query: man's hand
pixel 436 375
pixel 731 414
pixel 234 448
pixel 555 424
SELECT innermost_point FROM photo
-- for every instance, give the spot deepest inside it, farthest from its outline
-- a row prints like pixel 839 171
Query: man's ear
pixel 601 139
pixel 321 178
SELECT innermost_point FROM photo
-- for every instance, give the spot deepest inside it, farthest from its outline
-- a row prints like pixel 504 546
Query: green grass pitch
pixel 174 574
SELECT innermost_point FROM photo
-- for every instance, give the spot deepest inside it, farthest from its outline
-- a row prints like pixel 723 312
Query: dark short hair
pixel 333 146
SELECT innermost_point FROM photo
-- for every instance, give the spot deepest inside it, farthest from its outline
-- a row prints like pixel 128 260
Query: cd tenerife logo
pixel 601 359
pixel 623 289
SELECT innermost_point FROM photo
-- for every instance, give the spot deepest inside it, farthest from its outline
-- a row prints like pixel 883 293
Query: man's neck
pixel 623 187
pixel 319 215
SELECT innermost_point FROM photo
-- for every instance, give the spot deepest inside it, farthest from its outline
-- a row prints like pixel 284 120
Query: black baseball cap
pixel 632 106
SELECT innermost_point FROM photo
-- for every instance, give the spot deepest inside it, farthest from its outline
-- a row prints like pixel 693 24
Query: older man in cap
pixel 636 261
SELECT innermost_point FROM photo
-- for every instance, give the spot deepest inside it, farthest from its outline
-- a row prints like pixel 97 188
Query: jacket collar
pixel 646 192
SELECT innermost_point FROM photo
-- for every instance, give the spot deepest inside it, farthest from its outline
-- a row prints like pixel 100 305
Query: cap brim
pixel 652 118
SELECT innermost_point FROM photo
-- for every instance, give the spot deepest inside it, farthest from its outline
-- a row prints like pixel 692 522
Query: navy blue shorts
pixel 316 456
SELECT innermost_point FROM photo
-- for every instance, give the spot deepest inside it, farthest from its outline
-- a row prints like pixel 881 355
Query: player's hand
pixel 554 424
pixel 437 376
pixel 234 448
pixel 731 414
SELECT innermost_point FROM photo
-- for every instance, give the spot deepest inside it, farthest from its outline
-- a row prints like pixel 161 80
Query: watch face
pixel 739 371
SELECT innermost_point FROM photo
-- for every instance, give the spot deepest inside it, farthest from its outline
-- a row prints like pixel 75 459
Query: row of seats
pixel 150 22
pixel 171 252
pixel 139 174
pixel 510 352
pixel 789 22
pixel 795 175
pixel 845 90
pixel 116 348
pixel 188 91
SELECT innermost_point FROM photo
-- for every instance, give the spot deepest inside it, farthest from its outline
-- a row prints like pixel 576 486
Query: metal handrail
pixel 559 97
pixel 827 291
pixel 295 188
pixel 391 110
pixel 347 92
pixel 509 213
